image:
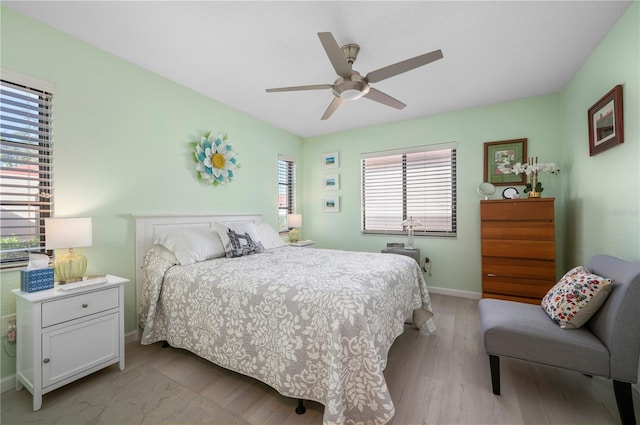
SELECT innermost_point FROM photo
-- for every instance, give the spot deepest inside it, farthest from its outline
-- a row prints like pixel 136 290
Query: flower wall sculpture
pixel 215 159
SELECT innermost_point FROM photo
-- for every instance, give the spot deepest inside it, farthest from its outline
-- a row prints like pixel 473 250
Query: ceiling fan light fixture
pixel 351 94
pixel 351 89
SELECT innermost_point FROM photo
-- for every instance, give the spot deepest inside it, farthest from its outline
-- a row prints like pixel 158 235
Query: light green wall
pixel 602 192
pixel 455 261
pixel 122 146
pixel 597 198
pixel 121 140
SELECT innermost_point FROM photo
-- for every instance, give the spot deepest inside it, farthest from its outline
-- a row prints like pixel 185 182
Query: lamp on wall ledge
pixel 294 221
pixel 410 223
pixel 68 233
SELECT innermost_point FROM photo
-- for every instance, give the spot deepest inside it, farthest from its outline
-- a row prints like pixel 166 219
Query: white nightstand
pixel 65 335
pixel 303 244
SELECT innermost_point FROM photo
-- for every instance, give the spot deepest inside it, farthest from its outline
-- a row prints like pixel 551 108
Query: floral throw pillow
pixel 576 297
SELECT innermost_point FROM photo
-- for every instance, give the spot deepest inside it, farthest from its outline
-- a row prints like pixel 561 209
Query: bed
pixel 314 324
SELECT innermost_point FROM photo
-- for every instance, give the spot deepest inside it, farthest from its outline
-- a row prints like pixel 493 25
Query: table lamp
pixel 294 221
pixel 410 223
pixel 68 233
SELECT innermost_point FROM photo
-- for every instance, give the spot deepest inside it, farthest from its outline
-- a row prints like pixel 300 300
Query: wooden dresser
pixel 518 248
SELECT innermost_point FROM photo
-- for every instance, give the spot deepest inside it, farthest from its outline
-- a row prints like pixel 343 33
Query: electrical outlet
pixel 6 321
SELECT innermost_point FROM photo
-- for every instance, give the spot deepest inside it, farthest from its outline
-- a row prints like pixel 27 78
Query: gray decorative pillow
pixel 239 239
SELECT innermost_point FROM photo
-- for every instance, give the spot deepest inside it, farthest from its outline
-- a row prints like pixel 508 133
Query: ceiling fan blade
pixel 384 98
pixel 296 88
pixel 335 54
pixel 404 66
pixel 337 101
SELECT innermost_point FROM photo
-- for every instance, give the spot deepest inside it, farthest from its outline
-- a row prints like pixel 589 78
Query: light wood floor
pixel 441 378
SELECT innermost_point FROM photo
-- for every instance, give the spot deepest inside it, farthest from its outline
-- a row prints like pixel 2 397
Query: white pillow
pixel 192 245
pixel 269 237
pixel 239 239
pixel 164 253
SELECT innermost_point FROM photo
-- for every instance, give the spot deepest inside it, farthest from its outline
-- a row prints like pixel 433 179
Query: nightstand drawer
pixel 65 309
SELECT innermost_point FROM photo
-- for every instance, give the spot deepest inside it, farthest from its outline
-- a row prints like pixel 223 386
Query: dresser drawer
pixel 542 250
pixel 518 230
pixel 531 209
pixel 519 267
pixel 65 309
pixel 519 287
pixel 534 301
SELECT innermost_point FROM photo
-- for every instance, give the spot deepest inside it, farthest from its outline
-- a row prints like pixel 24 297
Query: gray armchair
pixel 607 345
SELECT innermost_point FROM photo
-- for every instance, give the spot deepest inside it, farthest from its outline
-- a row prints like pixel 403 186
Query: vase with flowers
pixel 531 168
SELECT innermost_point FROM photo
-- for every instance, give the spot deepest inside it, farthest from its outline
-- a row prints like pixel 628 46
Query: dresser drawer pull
pixel 491 275
pixel 46 360
pixel 85 305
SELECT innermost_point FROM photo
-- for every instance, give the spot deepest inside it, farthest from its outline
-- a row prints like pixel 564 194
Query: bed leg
pixel 165 344
pixel 300 409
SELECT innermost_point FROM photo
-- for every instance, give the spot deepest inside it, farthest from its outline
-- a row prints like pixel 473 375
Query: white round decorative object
pixel 485 189
pixel 510 193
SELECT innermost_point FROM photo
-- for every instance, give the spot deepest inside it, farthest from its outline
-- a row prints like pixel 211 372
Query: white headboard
pixel 149 227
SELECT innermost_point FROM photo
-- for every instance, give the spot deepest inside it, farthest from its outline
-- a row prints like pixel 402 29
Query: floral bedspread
pixel 314 324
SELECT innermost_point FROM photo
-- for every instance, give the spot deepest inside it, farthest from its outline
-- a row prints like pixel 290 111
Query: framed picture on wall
pixel 331 182
pixel 330 160
pixel 606 127
pixel 499 159
pixel 331 204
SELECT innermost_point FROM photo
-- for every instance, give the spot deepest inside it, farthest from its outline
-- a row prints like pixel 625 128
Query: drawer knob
pixel 85 305
pixel 46 360
pixel 491 275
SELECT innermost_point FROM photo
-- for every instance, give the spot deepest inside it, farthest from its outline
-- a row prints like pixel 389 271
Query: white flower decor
pixel 531 169
pixel 215 159
pixel 535 168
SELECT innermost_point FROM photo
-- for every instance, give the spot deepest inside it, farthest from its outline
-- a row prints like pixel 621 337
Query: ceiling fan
pixel 350 85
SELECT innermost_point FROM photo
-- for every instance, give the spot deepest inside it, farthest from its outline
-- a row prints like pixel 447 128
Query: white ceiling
pixel 494 51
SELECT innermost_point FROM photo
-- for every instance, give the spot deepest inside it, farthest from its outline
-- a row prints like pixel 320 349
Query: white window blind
pixel 286 190
pixel 418 182
pixel 26 179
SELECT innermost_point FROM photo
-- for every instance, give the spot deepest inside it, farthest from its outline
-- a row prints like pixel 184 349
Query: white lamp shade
pixel 67 232
pixel 294 220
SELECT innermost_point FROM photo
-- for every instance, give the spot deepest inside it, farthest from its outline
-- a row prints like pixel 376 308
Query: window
pixel 286 191
pixel 26 178
pixel 417 182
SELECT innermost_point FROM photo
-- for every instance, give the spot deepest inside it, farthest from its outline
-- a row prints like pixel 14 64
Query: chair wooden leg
pixel 624 398
pixel 494 363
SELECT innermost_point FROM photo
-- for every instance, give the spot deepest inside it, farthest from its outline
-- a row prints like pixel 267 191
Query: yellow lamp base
pixel 70 267
pixel 294 236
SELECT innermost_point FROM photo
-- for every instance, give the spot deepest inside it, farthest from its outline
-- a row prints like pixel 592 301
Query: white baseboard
pixel 8 383
pixel 131 337
pixel 455 292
